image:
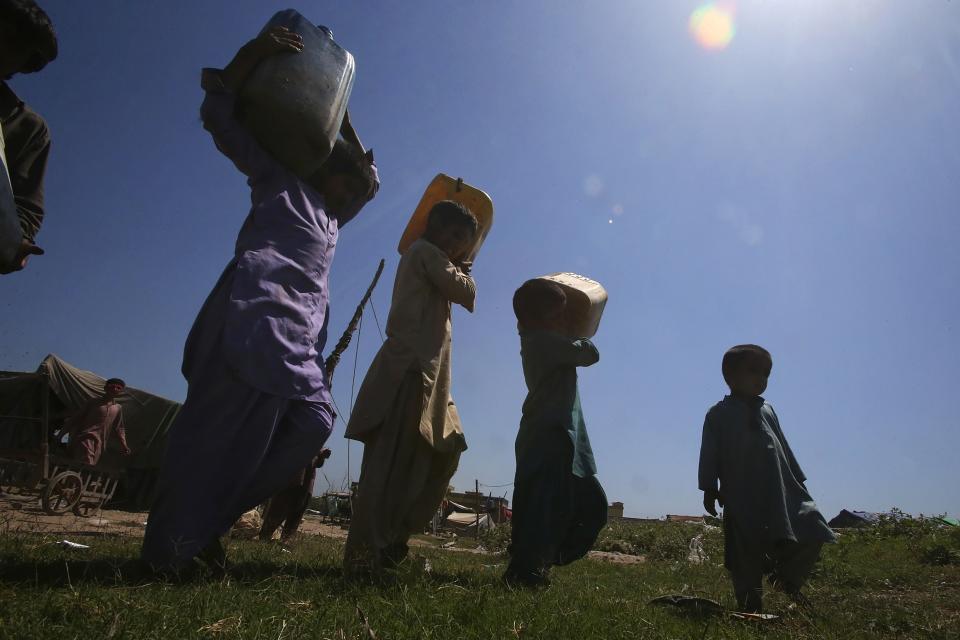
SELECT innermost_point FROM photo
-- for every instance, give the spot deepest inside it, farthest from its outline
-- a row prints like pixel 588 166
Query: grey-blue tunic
pixel 765 499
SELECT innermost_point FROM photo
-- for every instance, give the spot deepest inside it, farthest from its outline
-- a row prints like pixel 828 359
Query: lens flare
pixel 712 25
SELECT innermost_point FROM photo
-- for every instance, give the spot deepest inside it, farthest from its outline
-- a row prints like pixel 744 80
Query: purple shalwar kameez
pixel 258 404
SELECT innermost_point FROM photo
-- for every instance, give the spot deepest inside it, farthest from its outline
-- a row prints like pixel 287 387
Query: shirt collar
pixel 754 403
pixel 10 103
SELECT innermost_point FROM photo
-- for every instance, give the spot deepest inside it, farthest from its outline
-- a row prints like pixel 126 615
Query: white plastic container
pixel 586 300
pixel 10 234
pixel 293 103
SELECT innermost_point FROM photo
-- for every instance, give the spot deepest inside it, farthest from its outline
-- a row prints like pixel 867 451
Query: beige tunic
pixel 90 428
pixel 418 338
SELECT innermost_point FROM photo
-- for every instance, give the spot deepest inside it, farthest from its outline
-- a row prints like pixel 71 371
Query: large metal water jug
pixel 293 103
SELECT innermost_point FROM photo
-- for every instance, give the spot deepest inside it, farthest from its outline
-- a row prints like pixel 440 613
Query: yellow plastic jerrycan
pixel 586 300
pixel 443 187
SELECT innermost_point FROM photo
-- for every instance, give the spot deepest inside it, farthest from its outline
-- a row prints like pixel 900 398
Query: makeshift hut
pixel 33 405
pixel 850 518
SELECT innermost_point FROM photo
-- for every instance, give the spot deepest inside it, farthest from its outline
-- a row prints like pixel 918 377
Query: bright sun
pixel 712 25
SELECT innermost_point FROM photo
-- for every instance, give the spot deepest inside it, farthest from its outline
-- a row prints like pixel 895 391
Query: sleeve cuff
pixel 212 81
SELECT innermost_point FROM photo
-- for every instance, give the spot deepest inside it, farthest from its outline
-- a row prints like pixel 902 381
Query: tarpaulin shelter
pixel 864 518
pixel 854 519
pixel 33 404
pixel 468 522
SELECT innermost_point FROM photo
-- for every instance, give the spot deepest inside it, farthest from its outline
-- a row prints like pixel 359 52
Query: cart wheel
pixel 62 492
pixel 84 509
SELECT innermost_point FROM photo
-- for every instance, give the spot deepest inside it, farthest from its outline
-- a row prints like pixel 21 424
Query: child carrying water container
pixel 404 414
pixel 770 523
pixel 559 506
pixel 258 404
pixel 27 44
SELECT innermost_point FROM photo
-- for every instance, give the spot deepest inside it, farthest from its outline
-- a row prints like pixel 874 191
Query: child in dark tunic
pixel 770 523
pixel 559 506
pixel 27 44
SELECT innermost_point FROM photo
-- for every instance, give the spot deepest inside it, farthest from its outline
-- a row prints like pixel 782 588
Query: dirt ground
pixel 21 516
pixel 27 516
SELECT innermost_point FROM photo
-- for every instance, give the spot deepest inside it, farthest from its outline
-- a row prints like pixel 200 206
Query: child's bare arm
pixel 270 42
pixel 219 105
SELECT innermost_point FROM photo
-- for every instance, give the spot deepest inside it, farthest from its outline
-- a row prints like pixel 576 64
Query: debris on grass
pixel 66 544
pixel 222 626
pixel 690 604
pixel 697 555
pixel 754 617
pixel 366 624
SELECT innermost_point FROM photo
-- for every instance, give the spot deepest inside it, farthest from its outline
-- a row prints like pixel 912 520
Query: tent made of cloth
pixel 459 508
pixel 146 417
pixel 468 521
pixel 852 518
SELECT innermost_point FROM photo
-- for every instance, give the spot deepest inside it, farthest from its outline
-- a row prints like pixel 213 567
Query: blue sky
pixel 798 189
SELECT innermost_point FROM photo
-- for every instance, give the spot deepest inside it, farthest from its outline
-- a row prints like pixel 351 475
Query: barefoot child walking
pixel 258 404
pixel 559 506
pixel 770 523
pixel 404 414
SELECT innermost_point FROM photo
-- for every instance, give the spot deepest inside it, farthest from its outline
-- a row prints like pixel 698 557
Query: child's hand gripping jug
pixel 294 102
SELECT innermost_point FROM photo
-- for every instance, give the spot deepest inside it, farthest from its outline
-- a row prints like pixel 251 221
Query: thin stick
pixel 334 358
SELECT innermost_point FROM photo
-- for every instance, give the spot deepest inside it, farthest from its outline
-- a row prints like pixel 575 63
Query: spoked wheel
pixel 62 492
pixel 84 509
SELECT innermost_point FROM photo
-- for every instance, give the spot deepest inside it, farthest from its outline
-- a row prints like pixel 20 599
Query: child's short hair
pixel 737 356
pixel 33 27
pixel 537 299
pixel 448 213
pixel 115 381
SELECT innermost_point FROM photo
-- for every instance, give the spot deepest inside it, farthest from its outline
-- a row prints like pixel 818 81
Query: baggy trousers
pixel 231 448
pixel 788 563
pixel 402 482
pixel 557 515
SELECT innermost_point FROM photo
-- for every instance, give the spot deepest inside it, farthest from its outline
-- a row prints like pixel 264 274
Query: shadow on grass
pixel 124 571
pixel 68 572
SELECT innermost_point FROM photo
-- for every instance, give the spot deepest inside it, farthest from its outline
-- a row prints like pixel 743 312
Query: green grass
pixel 867 586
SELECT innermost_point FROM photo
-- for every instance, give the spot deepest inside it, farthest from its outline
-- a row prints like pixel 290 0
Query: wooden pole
pixel 477 487
pixel 45 427
pixel 334 358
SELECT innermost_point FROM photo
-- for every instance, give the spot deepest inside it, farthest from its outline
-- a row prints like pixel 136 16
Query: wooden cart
pixel 61 484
